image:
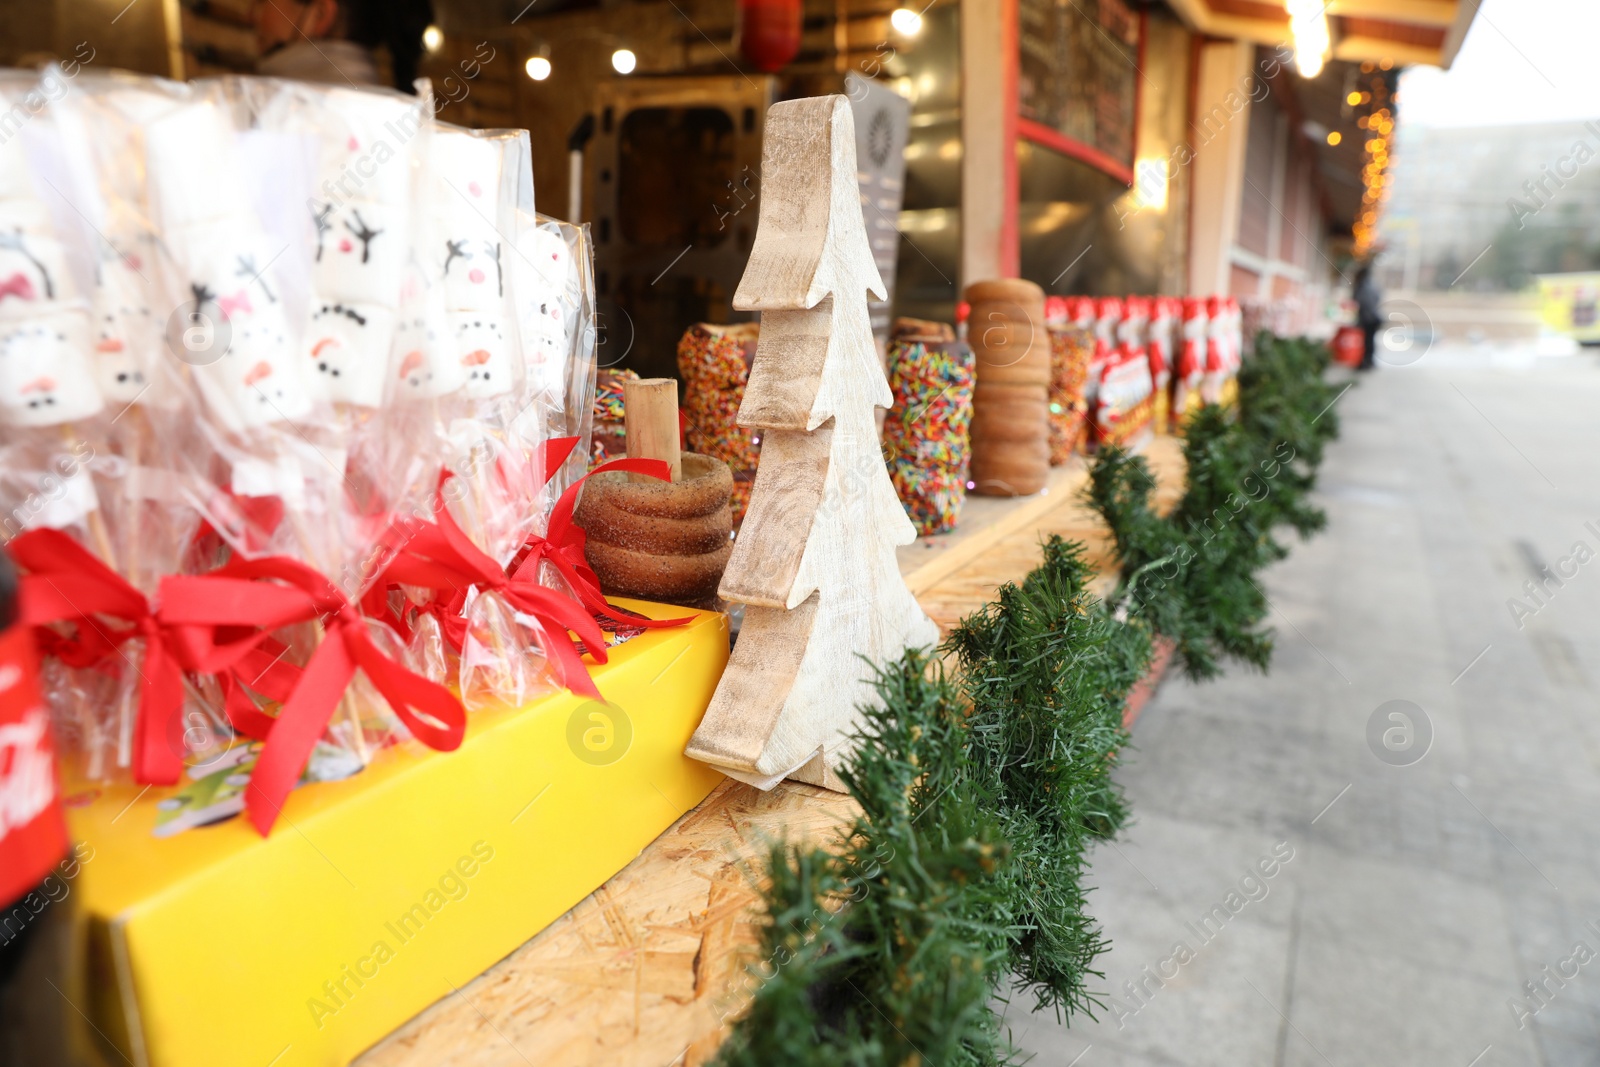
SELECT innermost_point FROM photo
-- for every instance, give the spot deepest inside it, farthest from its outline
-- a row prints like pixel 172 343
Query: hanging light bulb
pixel 1308 25
pixel 623 61
pixel 538 68
pixel 906 21
pixel 432 38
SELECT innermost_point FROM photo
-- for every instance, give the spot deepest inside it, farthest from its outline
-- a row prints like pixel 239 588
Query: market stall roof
pixel 1403 32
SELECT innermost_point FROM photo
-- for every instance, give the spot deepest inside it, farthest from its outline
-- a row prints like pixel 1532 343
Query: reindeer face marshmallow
pixel 471 257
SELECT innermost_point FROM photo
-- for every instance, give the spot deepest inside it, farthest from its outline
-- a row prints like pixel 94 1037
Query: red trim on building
pixel 1045 137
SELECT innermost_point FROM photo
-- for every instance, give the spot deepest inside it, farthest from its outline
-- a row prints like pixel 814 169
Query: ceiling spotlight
pixel 432 38
pixel 538 68
pixel 1308 25
pixel 623 61
pixel 906 22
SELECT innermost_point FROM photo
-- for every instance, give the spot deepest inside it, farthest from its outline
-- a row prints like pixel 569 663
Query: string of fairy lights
pixel 1377 102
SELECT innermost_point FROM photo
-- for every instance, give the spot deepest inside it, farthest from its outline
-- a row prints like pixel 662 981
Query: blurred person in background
pixel 337 41
pixel 1367 298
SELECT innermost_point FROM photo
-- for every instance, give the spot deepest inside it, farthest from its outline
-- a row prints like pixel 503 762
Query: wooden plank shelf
pixel 652 968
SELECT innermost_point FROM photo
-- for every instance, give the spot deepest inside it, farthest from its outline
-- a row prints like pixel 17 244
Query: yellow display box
pixel 377 895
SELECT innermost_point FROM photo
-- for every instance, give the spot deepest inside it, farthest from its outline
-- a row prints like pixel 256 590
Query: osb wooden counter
pixel 652 967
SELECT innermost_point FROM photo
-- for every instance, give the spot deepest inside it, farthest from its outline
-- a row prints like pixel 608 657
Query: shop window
pixel 676 175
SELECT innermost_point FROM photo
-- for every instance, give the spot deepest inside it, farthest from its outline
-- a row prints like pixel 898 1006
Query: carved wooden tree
pixel 815 561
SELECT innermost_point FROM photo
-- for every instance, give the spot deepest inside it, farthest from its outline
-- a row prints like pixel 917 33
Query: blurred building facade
pixel 1096 147
pixel 1487 208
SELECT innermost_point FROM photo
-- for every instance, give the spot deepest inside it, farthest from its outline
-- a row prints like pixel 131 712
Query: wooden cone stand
pixel 655 540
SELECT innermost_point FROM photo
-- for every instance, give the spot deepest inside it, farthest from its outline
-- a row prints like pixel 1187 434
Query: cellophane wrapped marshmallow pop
pixel 48 395
pixel 555 298
pixel 152 518
pixel 52 415
pixel 481 205
pixel 367 147
pixel 229 198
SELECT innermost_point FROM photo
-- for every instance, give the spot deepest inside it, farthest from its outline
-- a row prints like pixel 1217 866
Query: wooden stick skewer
pixel 650 411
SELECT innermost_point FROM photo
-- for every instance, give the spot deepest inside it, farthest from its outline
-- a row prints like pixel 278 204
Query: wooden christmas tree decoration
pixel 815 561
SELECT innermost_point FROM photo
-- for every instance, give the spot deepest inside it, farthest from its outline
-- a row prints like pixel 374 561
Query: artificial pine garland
pixel 888 951
pixel 1191 575
pixel 981 792
pixel 1047 671
pixel 963 873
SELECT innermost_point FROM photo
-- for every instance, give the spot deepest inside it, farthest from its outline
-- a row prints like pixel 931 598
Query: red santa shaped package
pixel 1190 373
pixel 1123 402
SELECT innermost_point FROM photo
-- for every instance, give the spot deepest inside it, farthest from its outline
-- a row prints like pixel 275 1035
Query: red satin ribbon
pixel 440 556
pixel 562 546
pixel 222 623
pixel 208 611
pixel 68 583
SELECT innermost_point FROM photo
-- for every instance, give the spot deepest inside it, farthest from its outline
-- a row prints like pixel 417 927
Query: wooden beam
pixel 1408 12
pixel 1465 13
pixel 1219 135
pixel 989 241
pixel 1199 15
pixel 1377 49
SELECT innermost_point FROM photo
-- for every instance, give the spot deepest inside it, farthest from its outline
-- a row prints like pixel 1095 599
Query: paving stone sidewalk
pixel 1296 888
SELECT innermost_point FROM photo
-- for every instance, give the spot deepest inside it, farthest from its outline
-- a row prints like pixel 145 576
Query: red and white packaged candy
pixel 1189 375
pixel 1159 345
pixel 1218 359
pixel 1107 314
pixel 33 833
pixel 1124 402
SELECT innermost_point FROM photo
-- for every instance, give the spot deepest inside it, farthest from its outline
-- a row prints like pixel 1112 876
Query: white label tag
pixel 282 479
pixel 64 505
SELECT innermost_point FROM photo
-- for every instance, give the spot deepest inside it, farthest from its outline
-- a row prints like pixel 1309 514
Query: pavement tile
pixel 1424 896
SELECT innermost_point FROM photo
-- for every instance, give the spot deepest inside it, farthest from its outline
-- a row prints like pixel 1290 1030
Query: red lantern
pixel 769 32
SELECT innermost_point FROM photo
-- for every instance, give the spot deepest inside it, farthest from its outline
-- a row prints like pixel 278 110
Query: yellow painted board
pixel 1570 304
pixel 380 894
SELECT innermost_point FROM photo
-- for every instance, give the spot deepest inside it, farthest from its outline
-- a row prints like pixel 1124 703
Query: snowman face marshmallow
pixel 425 365
pixel 349 348
pixel 126 332
pixel 32 266
pixel 252 382
pixel 480 343
pixel 44 378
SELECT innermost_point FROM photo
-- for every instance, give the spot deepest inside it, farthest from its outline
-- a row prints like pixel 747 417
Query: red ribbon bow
pixel 431 712
pixel 67 583
pixel 563 543
pixel 441 557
